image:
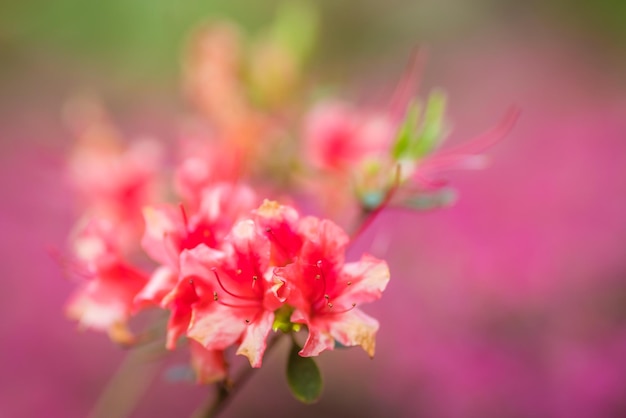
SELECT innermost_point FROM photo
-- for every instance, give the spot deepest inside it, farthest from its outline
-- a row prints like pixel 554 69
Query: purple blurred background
pixel 512 303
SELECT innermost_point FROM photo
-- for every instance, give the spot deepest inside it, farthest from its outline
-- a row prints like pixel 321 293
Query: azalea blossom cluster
pixel 229 275
pixel 196 229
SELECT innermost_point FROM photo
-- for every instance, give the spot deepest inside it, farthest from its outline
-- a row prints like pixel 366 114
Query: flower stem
pixel 227 389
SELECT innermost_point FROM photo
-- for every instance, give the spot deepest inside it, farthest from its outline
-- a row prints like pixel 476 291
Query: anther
pixel 238 271
pixel 349 283
pixel 247 321
pixel 317 277
pixel 330 305
pixel 215 296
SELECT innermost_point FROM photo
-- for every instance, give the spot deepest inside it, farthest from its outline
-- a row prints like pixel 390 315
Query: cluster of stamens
pixel 325 297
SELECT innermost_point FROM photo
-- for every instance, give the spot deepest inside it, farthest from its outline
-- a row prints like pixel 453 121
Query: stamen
pixel 254 279
pixel 322 276
pixel 214 295
pixel 349 283
pixel 330 305
pixel 185 219
pixel 217 276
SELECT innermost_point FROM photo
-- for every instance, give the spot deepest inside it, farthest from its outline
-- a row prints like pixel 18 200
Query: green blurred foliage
pixel 142 39
pixel 141 36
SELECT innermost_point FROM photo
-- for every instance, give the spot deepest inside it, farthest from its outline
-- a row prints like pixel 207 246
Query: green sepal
pixel 282 320
pixel 303 376
pixel 407 131
pixel 422 131
pixel 432 128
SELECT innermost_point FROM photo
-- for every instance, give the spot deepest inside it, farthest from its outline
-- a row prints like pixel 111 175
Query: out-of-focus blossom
pixel 113 179
pixel 338 137
pixel 104 298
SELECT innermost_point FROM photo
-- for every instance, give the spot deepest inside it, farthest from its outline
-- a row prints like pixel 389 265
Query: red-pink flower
pixel 338 137
pixel 325 291
pixel 169 231
pixel 240 308
pixel 104 299
pixel 115 180
pixel 279 223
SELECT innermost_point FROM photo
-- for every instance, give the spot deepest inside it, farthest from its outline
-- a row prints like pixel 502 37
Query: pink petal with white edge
pixel 198 262
pixel 355 328
pixel 248 242
pixel 216 326
pixel 317 341
pixel 364 281
pixel 162 282
pixel 209 365
pixel 255 338
pixel 161 224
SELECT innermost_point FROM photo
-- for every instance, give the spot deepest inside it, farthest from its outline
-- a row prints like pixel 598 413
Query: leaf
pixel 303 376
pixel 432 129
pixel 407 131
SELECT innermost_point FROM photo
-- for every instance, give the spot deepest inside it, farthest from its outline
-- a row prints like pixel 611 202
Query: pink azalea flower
pixel 279 223
pixel 104 300
pixel 169 231
pixel 338 137
pixel 205 162
pixel 114 180
pixel 240 307
pixel 325 291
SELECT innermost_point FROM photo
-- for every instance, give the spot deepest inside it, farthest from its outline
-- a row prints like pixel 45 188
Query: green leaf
pixel 407 131
pixel 303 376
pixel 432 128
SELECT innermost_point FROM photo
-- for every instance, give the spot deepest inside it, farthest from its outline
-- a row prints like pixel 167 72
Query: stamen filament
pixel 217 276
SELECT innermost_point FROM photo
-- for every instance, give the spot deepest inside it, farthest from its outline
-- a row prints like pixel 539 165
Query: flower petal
pixel 355 328
pixel 317 341
pixel 364 281
pixel 216 326
pixel 209 365
pixel 162 281
pixel 161 239
pixel 255 338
